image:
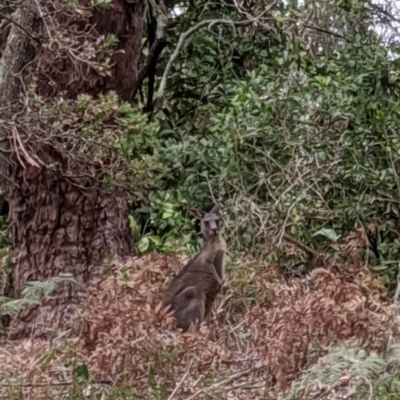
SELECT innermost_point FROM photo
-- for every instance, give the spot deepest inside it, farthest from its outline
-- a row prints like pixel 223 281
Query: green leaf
pixel 81 372
pixel 155 240
pixel 132 223
pixel 167 214
pixel 143 244
pixel 328 233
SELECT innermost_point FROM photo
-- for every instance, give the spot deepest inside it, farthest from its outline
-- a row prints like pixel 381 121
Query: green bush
pixel 310 148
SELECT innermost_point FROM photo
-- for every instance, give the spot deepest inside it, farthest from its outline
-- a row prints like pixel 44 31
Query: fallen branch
pixel 223 382
pixel 301 246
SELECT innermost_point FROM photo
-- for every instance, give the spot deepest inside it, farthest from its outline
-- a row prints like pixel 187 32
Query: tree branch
pixel 182 38
pixel 4 16
pixel 381 10
pixel 154 53
pixel 301 246
pixel 156 48
pixel 326 31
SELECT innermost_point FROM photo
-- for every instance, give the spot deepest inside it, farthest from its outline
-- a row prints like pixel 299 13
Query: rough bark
pixel 124 20
pixel 5 28
pixel 56 228
pixel 16 54
pixel 57 225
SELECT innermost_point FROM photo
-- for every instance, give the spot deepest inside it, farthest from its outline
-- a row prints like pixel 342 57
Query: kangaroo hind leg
pixel 189 307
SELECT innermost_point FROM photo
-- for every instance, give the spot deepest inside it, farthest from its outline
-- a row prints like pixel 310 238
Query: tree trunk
pixel 124 20
pixel 60 226
pixel 56 228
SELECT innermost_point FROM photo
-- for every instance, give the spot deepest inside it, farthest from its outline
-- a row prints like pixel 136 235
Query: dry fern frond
pixel 319 307
pixel 262 332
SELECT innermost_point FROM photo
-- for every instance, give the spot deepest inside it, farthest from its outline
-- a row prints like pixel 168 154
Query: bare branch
pixel 301 246
pixel 4 16
pixel 326 31
pixel 156 48
pixel 381 10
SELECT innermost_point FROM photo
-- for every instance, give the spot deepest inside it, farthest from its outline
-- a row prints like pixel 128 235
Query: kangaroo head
pixel 209 221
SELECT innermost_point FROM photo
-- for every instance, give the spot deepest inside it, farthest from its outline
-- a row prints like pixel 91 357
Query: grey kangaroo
pixel 192 292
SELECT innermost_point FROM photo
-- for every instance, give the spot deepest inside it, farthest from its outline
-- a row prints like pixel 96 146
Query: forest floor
pixel 262 335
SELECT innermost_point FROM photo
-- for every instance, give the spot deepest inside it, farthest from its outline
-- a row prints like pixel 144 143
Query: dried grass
pixel 263 331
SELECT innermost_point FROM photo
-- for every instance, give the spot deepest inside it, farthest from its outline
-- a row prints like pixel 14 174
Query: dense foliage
pixel 293 138
pixel 288 113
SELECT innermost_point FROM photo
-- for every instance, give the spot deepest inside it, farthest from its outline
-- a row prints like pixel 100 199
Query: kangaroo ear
pixel 194 212
pixel 216 209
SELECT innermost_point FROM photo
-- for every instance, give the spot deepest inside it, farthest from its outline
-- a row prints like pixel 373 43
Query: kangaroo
pixel 192 292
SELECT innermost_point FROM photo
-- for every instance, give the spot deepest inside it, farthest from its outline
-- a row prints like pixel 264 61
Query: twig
pixel 4 16
pixel 326 31
pixel 249 16
pixel 54 384
pixel 223 382
pixel 371 389
pixel 301 246
pixel 396 297
pixel 28 158
pixel 379 9
pixel 41 15
pixel 181 381
pixel 14 135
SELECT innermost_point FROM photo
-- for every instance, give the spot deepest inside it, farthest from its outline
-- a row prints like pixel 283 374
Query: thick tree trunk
pixel 15 53
pixel 58 226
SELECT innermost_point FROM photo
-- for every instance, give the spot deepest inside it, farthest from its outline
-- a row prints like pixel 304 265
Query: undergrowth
pixel 321 336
